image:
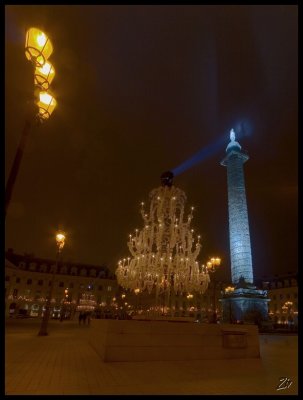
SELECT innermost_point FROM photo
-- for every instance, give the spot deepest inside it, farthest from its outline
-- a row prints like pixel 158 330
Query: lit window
pixel 109 288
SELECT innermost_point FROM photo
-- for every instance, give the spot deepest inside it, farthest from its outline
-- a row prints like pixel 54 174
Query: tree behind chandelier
pixel 164 252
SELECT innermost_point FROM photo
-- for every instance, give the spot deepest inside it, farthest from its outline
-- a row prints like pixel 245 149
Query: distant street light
pixel 212 266
pixel 229 291
pixel 38 48
pixel 137 291
pixel 60 241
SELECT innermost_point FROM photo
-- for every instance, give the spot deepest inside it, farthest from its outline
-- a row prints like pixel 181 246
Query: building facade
pixel 28 280
pixel 283 294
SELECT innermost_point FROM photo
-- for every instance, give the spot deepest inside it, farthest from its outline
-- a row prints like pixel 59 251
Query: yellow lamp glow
pixel 44 75
pixel 46 105
pixel 38 46
pixel 60 239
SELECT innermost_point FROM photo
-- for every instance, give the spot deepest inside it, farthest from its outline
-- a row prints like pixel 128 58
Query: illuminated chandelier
pixel 164 252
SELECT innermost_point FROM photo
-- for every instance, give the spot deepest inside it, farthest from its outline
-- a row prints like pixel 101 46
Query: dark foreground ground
pixel 65 363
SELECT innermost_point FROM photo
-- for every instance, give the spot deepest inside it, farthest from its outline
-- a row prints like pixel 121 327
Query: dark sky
pixel 140 90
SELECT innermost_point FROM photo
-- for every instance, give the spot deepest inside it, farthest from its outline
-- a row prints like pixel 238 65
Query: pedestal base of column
pixel 245 305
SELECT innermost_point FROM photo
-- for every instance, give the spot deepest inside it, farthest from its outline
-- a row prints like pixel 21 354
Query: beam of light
pixel 242 128
pixel 201 155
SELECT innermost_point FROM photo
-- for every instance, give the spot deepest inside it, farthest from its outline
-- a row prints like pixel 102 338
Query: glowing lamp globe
pixel 38 46
pixel 60 239
pixel 44 75
pixel 46 105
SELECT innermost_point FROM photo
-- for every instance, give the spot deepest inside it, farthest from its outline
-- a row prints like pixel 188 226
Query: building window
pixel 32 266
pixel 288 295
pixel 100 287
pixel 109 288
pixel 15 293
pixel 92 272
pixel 49 283
pixel 29 281
pixel 53 269
pixel 43 268
pixel 71 285
pixel 18 280
pixel 40 282
pixel 63 269
pixel 274 297
pixel 281 296
pixel 61 284
pixel 7 278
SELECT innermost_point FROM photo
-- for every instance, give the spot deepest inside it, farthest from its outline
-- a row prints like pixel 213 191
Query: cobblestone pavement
pixel 65 363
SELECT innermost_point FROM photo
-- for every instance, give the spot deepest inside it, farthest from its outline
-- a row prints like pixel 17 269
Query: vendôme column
pixel 244 302
pixel 239 237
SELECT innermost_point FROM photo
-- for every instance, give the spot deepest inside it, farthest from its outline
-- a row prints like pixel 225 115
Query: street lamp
pixel 288 308
pixel 229 291
pixel 38 48
pixel 65 304
pixel 60 241
pixel 212 266
pixel 137 291
pixel 189 298
pixel 44 75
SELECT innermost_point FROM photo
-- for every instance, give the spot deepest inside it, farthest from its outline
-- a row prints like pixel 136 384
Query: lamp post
pixel 288 308
pixel 38 48
pixel 137 291
pixel 64 305
pixel 211 268
pixel 229 290
pixel 60 241
pixel 189 298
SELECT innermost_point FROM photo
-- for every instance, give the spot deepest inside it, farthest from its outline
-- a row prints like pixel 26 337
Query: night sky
pixel 140 90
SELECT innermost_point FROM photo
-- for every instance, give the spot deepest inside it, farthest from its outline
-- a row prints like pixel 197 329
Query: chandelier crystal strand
pixel 164 251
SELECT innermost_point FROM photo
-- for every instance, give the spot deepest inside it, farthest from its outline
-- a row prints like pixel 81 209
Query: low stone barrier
pixel 131 340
